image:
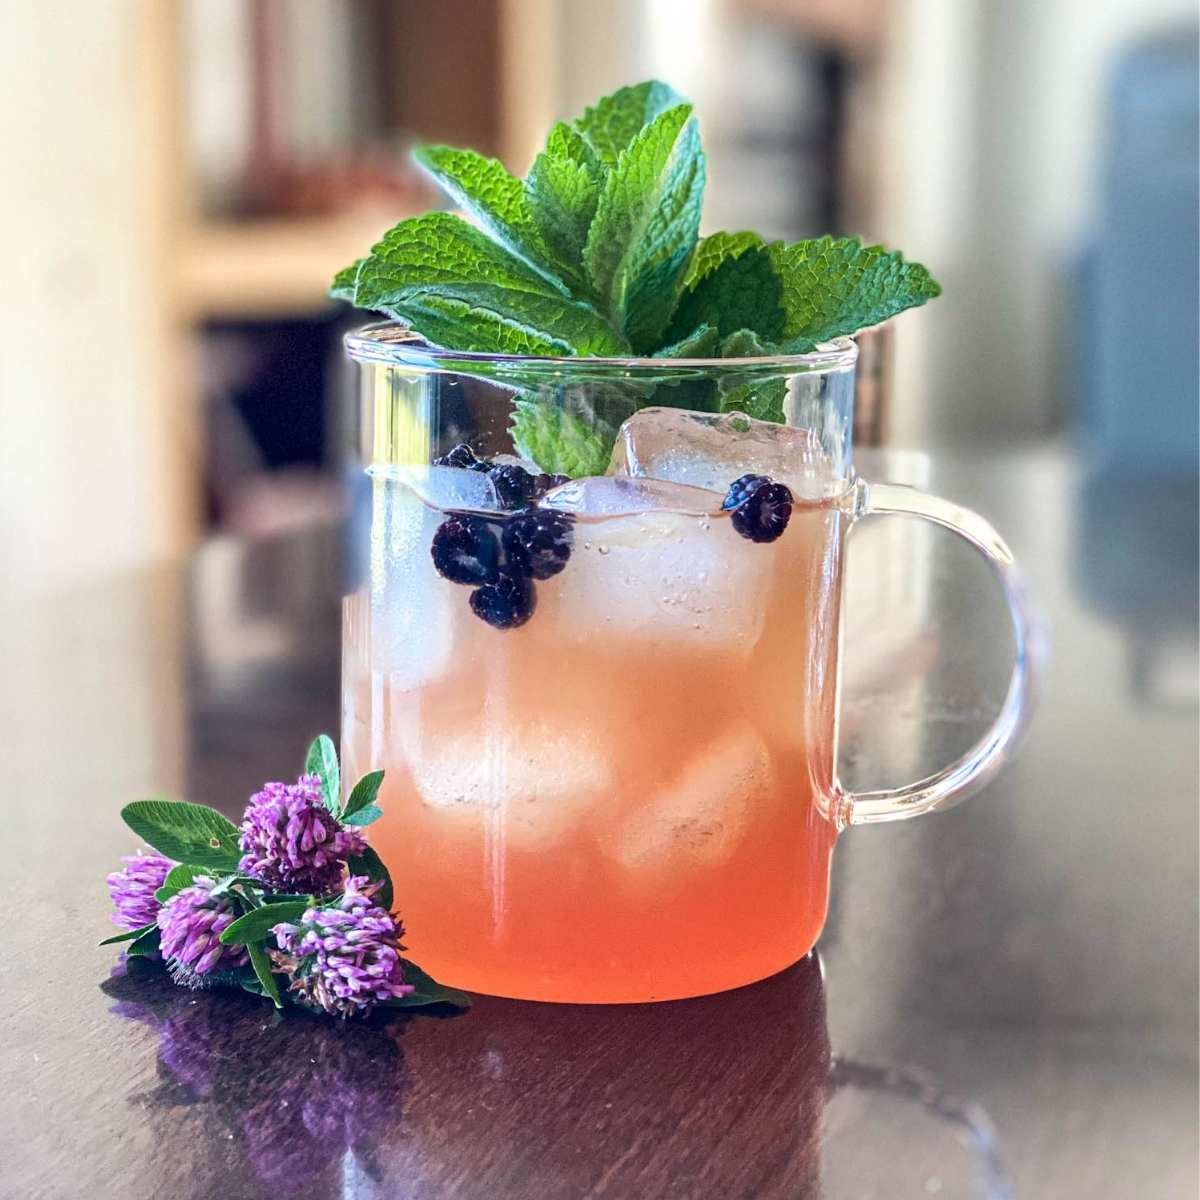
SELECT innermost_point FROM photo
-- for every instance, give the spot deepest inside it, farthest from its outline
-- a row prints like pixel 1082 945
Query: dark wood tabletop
pixel 1004 1001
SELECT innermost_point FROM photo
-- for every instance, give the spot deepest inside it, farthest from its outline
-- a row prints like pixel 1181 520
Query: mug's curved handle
pixel 957 781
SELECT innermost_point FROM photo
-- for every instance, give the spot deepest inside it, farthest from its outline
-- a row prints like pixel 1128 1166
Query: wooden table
pixel 1005 1000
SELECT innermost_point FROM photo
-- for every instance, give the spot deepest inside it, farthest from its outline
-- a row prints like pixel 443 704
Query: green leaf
pixel 185 832
pixel 362 794
pixel 702 342
pixel 562 190
pixel 345 281
pixel 646 226
pixel 758 397
pixel 262 970
pixel 129 935
pixel 733 284
pixel 145 945
pixel 257 924
pixel 177 878
pixel 614 121
pixel 247 978
pixel 460 289
pixel 837 286
pixel 745 343
pixel 560 440
pixel 497 200
pixel 364 816
pixel 427 990
pixel 243 886
pixel 322 761
pixel 369 863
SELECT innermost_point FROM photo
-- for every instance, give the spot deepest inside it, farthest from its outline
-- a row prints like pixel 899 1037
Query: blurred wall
pixel 993 134
pixel 93 413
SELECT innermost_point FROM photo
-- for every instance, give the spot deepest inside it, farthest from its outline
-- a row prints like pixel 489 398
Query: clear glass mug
pixel 607 708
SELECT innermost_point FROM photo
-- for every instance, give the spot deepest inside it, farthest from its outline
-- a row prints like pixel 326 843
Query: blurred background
pixel 184 176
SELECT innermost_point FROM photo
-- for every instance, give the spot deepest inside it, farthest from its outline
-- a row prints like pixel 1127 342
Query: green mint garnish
pixel 597 253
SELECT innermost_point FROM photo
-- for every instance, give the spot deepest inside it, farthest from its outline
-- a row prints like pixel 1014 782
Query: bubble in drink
pixel 711 450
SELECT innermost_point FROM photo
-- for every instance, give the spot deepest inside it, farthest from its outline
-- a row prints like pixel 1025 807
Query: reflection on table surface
pixel 1008 991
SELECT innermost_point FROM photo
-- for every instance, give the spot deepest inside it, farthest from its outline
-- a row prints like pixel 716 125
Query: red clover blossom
pixel 344 957
pixel 292 842
pixel 132 889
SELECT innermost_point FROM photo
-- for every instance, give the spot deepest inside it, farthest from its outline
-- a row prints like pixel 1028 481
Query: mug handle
pixel 975 768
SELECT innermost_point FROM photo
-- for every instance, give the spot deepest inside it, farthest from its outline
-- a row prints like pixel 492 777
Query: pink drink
pixel 622 799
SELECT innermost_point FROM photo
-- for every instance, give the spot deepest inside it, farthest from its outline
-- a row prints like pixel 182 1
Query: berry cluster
pixel 759 507
pixel 500 557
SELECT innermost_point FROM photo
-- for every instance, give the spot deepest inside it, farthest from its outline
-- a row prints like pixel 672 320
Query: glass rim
pixel 394 342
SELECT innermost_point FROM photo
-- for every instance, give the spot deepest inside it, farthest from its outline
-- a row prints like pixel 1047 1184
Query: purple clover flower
pixel 132 889
pixel 344 957
pixel 191 922
pixel 292 842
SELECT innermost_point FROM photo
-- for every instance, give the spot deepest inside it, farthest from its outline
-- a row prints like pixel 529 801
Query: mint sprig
pixel 597 253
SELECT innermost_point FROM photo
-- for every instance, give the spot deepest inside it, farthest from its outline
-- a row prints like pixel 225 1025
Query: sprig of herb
pixel 207 902
pixel 597 252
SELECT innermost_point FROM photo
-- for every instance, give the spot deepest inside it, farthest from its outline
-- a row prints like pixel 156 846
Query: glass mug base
pixel 624 984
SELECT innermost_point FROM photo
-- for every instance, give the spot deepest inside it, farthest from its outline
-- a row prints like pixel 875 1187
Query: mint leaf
pixel 565 433
pixel 614 121
pixel 254 926
pixel 322 761
pixel 702 342
pixel 559 441
pixel 363 793
pixel 497 200
pixel 745 343
pixel 759 398
pixel 837 286
pixel 646 226
pixel 427 990
pixel 185 832
pixel 458 288
pixel 563 188
pixel 345 281
pixel 130 935
pixel 369 863
pixel 732 285
pixel 262 971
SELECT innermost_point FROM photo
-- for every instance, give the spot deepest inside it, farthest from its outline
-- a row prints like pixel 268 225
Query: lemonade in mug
pixel 593 638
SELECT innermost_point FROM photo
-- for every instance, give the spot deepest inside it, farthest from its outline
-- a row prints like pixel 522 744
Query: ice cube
pixel 710 450
pixel 680 580
pixel 528 784
pixel 614 496
pixel 448 488
pixel 698 820
pixel 412 611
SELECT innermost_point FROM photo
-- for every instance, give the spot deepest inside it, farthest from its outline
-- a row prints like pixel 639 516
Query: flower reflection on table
pixel 294 1094
pixel 305 1106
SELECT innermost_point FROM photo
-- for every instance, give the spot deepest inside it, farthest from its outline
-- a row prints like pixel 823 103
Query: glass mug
pixel 607 707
